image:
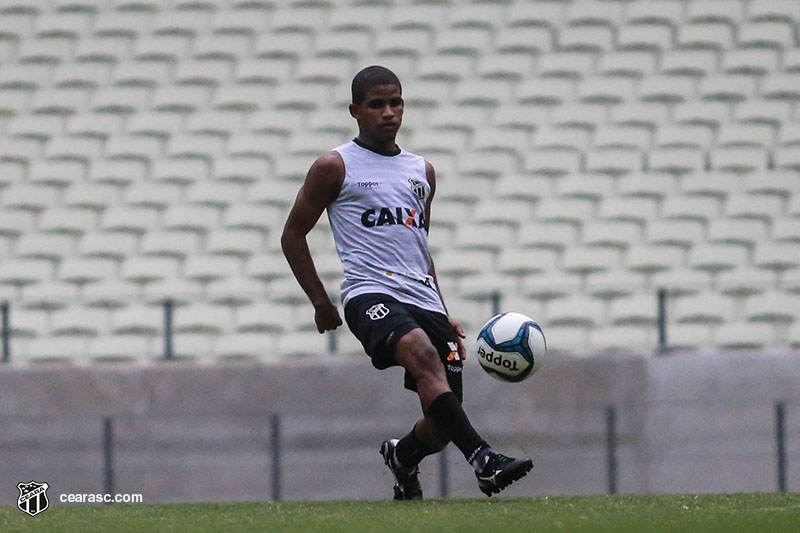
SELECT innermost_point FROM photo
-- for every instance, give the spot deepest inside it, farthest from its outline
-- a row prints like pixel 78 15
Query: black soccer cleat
pixel 500 471
pixel 407 485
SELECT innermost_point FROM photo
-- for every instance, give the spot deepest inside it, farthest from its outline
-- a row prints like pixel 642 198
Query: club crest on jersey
pixel 377 311
pixel 417 187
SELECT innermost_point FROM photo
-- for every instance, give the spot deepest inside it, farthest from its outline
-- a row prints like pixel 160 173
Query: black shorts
pixel 379 321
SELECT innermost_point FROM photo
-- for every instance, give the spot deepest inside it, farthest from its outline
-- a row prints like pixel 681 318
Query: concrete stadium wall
pixel 685 423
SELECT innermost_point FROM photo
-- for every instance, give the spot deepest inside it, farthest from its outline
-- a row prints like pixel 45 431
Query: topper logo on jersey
pixel 397 215
pixel 417 187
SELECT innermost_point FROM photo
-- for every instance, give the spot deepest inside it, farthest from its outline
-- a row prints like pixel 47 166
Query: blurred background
pixel 625 172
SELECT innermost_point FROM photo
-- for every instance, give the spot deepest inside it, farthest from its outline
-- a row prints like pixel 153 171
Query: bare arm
pixel 431 174
pixel 321 187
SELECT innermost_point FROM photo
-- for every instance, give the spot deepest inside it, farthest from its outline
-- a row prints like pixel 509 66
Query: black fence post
pixel 611 447
pixel 169 310
pixel 108 456
pixel 444 474
pixel 333 344
pixel 495 303
pixel 780 438
pixel 275 430
pixel 5 330
pixel 662 320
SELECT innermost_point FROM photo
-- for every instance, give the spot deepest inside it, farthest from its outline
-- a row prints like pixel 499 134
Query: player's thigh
pixel 416 353
pixel 378 321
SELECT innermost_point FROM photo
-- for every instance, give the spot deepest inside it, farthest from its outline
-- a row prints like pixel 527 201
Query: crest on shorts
pixel 32 497
pixel 417 187
pixel 377 311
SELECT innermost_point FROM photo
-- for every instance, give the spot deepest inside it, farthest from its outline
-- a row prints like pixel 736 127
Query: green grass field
pixel 620 514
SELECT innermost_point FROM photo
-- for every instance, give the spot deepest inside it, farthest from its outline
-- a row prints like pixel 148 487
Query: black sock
pixel 447 412
pixel 410 450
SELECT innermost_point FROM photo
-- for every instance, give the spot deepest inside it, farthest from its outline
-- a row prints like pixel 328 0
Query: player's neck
pixel 388 148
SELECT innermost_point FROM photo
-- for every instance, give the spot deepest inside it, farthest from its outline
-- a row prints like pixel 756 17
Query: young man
pixel 378 198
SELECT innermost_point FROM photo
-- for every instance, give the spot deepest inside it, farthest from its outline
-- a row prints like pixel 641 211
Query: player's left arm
pixel 431 175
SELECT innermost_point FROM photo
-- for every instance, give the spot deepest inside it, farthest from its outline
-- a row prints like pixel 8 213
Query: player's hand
pixel 462 352
pixel 326 317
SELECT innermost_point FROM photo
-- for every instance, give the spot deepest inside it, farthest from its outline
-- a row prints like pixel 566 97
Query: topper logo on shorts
pixel 377 311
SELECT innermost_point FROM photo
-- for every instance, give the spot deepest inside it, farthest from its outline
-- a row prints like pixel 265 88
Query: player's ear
pixel 354 111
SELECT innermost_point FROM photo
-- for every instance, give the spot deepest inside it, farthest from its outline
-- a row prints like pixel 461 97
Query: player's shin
pixel 448 414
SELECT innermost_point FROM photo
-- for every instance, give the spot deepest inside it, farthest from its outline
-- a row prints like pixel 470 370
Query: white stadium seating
pixel 588 154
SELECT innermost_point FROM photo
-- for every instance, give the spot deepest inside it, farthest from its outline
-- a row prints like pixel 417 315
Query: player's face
pixel 380 114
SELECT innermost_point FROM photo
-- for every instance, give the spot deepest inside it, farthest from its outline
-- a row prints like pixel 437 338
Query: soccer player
pixel 378 197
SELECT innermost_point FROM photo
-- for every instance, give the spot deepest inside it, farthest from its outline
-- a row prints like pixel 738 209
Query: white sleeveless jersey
pixel 378 223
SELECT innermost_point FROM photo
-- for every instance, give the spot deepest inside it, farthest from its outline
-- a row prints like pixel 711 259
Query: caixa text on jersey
pixel 394 215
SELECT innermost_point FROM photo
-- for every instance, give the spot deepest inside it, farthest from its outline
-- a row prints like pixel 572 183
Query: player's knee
pixel 419 357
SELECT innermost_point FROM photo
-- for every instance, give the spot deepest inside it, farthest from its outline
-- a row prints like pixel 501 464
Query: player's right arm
pixel 321 187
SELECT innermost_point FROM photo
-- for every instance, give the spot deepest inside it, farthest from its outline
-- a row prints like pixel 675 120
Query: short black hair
pixel 370 77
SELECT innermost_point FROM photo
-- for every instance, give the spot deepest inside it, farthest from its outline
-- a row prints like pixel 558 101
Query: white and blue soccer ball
pixel 511 347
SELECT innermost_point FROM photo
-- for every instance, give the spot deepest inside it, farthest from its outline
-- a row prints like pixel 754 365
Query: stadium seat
pixel 640 310
pixel 703 209
pixel 574 211
pixel 744 335
pixel 772 307
pixel 303 344
pixel 745 281
pixel 753 206
pixel 47 296
pixel 58 349
pixel 649 38
pixel 713 184
pixel 615 234
pixel 264 318
pixel 201 318
pixel 82 270
pixel 78 321
pixel 72 220
pixel 689 337
pixel 29 197
pixel 549 235
pixel 210 267
pixel 583 260
pixel 613 284
pixel 257 346
pixel 140 320
pixel 717 257
pixel 759 111
pixel 739 231
pixel 235 291
pixel 648 259
pixel 778 256
pixel 646 115
pixel 626 338
pixel 640 185
pixel 127 348
pixel 109 294
pixel 552 162
pixel 681 281
pixel 522 261
pixel 702 308
pixel 550 285
pixel 50 246
pixel 708 114
pixel 490 235
pixel 27 323
pixel 750 62
pixel 785 229
pixel 697 63
pixel 623 209
pixel 574 311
